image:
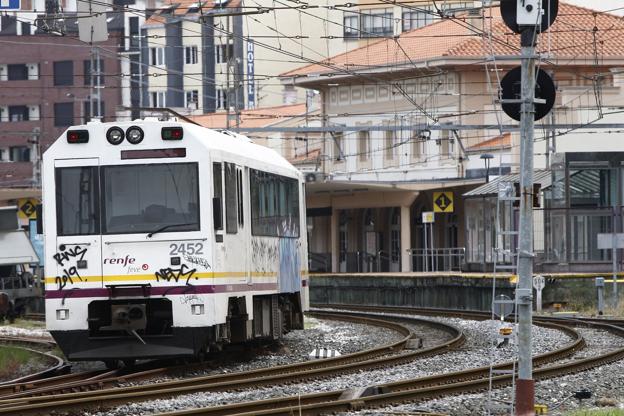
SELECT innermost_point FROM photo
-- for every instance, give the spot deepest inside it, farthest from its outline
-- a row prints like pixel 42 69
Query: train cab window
pixel 77 207
pixel 274 205
pixel 147 198
pixel 231 196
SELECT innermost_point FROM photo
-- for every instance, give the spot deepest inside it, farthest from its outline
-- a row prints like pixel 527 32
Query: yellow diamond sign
pixel 443 201
pixel 27 208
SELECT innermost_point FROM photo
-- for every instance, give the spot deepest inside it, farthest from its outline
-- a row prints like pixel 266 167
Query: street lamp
pixel 486 159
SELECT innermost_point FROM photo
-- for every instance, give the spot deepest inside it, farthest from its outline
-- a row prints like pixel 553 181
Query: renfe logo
pixel 122 261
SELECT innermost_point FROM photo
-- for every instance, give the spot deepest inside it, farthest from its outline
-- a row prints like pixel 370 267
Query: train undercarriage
pixel 130 329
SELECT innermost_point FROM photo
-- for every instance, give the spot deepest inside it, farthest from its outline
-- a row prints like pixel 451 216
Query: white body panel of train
pixel 101 201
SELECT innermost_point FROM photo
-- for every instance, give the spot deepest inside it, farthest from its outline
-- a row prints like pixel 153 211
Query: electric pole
pixel 525 388
pixel 527 18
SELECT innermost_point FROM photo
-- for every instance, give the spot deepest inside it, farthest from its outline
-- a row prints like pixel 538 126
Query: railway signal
pixel 527 18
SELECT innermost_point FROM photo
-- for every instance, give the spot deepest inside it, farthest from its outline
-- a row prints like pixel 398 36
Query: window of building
pixel 18 113
pixel 157 56
pixel 157 99
pixel 64 73
pixel 223 52
pixel 190 54
pixel 133 23
pixel 221 99
pixel 98 110
pixel 19 154
pixel 363 138
pixel 231 196
pixel 446 143
pixel 414 19
pixel 63 114
pixel 86 65
pixel 2 155
pixel 418 145
pixel 389 143
pixel 377 22
pixel 17 72
pixel 191 99
pixel 351 24
pixel 274 205
pixel 338 145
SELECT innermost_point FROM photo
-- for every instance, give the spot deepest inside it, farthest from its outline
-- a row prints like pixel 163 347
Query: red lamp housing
pixel 78 136
pixel 172 133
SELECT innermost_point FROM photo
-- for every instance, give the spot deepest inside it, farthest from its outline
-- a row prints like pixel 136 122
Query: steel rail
pixel 34 346
pixel 113 378
pixel 414 390
pixel 282 374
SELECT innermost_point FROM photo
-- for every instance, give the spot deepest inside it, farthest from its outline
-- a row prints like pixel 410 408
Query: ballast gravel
pixel 476 352
pixel 604 382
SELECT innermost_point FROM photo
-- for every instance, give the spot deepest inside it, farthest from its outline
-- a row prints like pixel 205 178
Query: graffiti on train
pixel 182 273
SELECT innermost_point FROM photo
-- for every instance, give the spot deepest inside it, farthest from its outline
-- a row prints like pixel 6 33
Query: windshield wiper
pixel 166 227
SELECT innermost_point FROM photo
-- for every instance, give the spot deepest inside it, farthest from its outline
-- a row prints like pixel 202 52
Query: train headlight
pixel 115 135
pixel 134 135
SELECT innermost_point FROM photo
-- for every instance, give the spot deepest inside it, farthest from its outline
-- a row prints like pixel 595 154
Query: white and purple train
pixel 167 239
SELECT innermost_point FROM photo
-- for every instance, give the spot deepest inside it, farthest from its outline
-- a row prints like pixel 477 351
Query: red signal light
pixel 78 136
pixel 172 133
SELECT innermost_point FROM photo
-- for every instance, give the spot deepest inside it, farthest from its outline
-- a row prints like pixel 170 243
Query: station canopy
pixel 15 248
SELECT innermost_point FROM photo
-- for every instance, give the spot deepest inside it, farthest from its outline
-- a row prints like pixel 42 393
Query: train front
pixel 122 236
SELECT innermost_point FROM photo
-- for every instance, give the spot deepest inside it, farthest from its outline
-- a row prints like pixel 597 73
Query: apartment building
pixel 45 83
pixel 46 78
pixel 395 155
pixel 187 45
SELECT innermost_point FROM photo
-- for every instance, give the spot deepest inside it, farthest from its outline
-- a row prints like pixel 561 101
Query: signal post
pixel 528 18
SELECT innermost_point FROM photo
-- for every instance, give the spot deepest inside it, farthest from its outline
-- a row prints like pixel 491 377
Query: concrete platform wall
pixel 454 291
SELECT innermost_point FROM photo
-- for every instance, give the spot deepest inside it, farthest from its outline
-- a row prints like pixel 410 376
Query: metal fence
pixel 438 259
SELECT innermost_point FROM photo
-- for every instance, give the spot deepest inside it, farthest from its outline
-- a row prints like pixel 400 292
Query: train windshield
pixel 147 198
pixel 127 199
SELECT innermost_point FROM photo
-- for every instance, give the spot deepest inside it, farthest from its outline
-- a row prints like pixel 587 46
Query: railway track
pixel 40 348
pixel 422 388
pixel 386 355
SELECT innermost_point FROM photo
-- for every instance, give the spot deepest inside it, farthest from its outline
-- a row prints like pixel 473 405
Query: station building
pixel 397 107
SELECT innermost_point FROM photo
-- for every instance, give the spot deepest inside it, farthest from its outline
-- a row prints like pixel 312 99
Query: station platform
pixel 457 290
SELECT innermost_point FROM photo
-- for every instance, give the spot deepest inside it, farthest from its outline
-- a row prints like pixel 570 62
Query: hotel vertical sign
pixel 251 83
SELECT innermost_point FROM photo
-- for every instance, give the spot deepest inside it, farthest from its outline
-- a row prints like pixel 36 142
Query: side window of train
pixel 217 200
pixel 239 191
pixel 231 199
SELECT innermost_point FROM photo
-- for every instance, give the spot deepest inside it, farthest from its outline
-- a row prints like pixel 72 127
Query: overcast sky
pixel 600 5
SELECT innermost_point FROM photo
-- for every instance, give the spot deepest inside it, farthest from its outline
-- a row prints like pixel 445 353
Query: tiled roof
pixel 571 36
pixel 261 117
pixel 179 8
pixel 498 142
pixel 312 156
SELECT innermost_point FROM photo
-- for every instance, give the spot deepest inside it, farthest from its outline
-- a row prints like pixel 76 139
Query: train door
pixel 244 226
pixel 78 253
pixel 235 238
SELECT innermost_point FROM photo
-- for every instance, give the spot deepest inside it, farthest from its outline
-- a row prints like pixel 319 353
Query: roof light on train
pixel 172 133
pixel 78 136
pixel 115 135
pixel 135 134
